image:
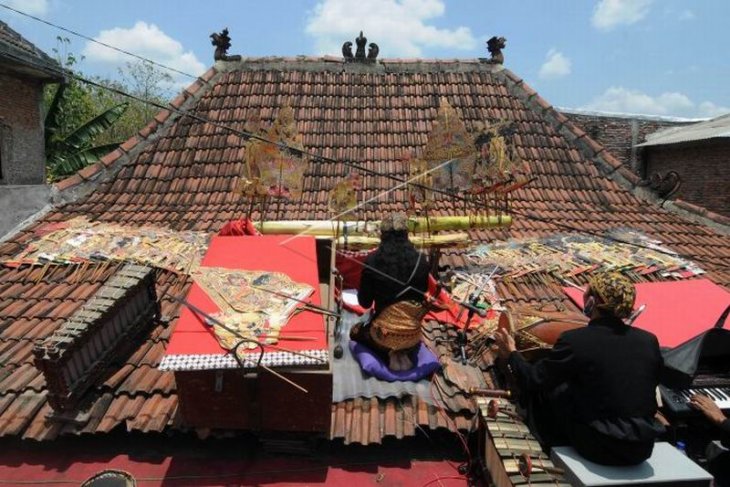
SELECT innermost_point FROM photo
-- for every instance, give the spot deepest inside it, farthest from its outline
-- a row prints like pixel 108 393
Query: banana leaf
pixel 84 135
pixel 66 164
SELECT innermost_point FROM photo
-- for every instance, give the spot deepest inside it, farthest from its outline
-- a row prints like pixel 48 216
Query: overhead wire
pixel 317 157
pixel 96 41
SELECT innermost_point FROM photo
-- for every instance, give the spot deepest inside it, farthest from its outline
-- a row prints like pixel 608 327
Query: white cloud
pixel 611 13
pixel 709 109
pixel 33 7
pixel 556 65
pixel 399 27
pixel 148 41
pixel 622 100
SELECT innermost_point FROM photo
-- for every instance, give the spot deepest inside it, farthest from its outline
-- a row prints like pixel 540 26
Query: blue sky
pixel 662 57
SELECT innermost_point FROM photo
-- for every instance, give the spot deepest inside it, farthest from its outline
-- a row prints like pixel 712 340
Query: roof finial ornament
pixel 347 51
pixel 222 43
pixel 360 56
pixel 373 51
pixel 361 41
pixel 495 46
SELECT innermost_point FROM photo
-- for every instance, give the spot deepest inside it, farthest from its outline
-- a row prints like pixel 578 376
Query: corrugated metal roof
pixel 712 129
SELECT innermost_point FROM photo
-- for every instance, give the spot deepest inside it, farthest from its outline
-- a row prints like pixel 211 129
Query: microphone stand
pixel 470 305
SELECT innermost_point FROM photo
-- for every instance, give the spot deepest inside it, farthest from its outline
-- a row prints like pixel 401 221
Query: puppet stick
pixel 572 284
pixel 252 201
pixel 276 374
pixel 209 320
pixel 635 314
pixel 320 309
pixel 290 337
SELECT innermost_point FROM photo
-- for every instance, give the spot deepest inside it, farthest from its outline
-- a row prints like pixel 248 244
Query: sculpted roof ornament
pixel 495 46
pixel 360 56
pixel 222 42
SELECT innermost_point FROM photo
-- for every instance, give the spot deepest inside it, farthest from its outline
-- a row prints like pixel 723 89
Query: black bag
pixel 681 362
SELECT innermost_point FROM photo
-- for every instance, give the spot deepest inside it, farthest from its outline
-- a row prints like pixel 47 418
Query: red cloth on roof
pixel 452 310
pixel 238 228
pixel 676 311
pixel 296 257
pixel 350 265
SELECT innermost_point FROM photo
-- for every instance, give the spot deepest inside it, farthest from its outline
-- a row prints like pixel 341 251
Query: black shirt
pixel 377 285
pixel 612 371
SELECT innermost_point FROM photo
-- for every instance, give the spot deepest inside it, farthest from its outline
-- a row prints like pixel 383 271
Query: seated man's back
pixel 597 386
pixel 617 370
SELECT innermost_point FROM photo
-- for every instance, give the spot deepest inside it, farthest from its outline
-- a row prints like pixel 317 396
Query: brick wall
pixel 618 133
pixel 704 169
pixel 22 153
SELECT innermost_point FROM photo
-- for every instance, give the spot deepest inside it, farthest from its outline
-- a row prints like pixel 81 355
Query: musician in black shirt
pixel 395 273
pixel 596 389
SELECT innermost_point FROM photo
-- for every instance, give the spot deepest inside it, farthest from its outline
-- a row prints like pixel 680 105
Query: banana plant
pixel 69 153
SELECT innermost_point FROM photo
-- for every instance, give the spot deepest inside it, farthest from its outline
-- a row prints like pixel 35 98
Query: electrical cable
pixel 91 39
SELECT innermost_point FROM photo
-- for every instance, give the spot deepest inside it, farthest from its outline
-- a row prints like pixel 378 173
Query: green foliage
pixel 65 156
pixel 84 122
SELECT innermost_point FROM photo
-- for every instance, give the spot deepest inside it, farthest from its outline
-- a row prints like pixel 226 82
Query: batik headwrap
pixel 616 292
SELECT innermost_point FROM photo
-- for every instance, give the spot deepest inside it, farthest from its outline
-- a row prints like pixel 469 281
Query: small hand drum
pixel 506 323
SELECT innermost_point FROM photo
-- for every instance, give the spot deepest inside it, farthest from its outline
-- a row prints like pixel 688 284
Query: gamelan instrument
pixel 536 332
pixel 524 463
pixel 494 407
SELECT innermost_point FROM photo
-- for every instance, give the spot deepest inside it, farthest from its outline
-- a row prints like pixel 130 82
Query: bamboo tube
pixel 333 228
pixel 419 240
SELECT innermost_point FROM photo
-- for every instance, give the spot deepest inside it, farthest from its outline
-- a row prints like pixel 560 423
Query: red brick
pixel 208 75
pixel 703 167
pixel 89 171
pixel 178 101
pixel 69 182
pixel 130 143
pixel 162 115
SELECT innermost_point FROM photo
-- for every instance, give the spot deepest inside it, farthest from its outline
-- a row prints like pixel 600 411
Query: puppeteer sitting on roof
pixel 394 280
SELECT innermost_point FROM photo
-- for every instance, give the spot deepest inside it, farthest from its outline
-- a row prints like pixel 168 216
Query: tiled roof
pixel 22 50
pixel 34 303
pixel 181 172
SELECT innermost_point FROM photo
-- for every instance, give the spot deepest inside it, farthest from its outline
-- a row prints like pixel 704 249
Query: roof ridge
pixel 304 58
pixel 607 162
pixel 630 115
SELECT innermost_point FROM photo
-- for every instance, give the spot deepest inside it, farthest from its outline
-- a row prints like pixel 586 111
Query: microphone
pixel 474 309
